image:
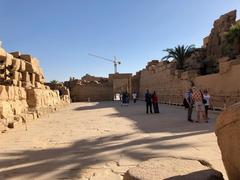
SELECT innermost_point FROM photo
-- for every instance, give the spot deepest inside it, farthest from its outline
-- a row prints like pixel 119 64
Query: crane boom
pixel 100 57
pixel 114 61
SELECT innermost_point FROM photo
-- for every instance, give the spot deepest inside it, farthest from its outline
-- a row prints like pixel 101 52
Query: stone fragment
pixel 228 133
pixel 172 168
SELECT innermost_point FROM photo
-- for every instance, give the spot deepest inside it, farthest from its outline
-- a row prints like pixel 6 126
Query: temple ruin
pixel 215 67
pixel 23 94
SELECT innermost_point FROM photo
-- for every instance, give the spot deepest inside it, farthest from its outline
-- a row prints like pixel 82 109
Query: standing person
pixel 197 97
pixel 208 103
pixel 148 100
pixel 134 96
pixel 155 102
pixel 188 103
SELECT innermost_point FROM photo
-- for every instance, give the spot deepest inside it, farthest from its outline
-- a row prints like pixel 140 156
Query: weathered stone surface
pixel 172 168
pixel 3 93
pixel 228 133
pixel 3 53
pixel 217 39
pixel 5 110
pixel 18 71
pixel 16 63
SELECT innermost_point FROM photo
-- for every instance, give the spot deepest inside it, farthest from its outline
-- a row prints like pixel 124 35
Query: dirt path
pixel 96 140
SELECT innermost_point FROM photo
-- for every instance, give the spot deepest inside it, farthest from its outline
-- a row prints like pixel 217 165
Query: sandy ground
pixel 102 141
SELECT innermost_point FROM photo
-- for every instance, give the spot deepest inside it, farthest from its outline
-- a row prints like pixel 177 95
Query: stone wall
pixel 165 80
pixel 170 84
pixel 23 95
pixel 92 92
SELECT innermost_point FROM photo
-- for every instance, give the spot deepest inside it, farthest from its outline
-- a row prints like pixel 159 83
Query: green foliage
pixel 233 33
pixel 54 82
pixel 180 53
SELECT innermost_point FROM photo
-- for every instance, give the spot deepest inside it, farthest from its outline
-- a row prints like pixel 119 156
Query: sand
pixel 102 141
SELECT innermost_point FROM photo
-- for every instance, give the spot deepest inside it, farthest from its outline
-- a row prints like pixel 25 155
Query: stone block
pixel 16 54
pixel 16 63
pixel 26 84
pixel 9 61
pixel 26 76
pixel 11 93
pixel 22 93
pixel 33 78
pixel 3 53
pixel 23 66
pixel 26 57
pixel 3 93
pixel 5 110
pixel 228 133
pixel 38 85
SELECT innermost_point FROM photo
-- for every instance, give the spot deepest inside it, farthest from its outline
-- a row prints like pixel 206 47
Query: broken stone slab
pixel 173 168
pixel 228 133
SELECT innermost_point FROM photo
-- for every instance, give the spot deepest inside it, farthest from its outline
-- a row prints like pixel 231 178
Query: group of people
pixel 151 100
pixel 202 102
pixel 125 98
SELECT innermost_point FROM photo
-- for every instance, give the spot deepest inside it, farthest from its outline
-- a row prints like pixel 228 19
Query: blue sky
pixel 61 33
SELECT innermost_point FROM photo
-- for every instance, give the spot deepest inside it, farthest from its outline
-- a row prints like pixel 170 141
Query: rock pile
pixel 23 95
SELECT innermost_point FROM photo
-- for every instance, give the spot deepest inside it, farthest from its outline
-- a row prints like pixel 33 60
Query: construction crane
pixel 114 61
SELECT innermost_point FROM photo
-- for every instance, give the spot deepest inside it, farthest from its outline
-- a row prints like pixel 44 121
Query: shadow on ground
pixel 68 162
pixel 171 118
pixel 80 155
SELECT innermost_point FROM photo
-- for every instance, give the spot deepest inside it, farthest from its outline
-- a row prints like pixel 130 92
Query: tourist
pixel 188 103
pixel 134 96
pixel 208 102
pixel 197 97
pixel 148 100
pixel 125 99
pixel 155 102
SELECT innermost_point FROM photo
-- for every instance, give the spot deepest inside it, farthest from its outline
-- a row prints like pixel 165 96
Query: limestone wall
pixel 92 92
pixel 23 95
pixel 224 86
pixel 165 81
pixel 170 84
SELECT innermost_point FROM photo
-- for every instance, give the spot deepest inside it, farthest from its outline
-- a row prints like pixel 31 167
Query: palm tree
pixel 54 82
pixel 180 53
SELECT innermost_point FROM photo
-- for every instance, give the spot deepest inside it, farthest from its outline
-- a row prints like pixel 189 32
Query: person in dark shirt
pixel 155 102
pixel 148 100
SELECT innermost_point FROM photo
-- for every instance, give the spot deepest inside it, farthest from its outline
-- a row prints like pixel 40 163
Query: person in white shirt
pixel 134 96
pixel 208 102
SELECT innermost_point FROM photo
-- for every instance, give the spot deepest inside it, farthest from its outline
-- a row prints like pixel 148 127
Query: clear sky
pixel 61 33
